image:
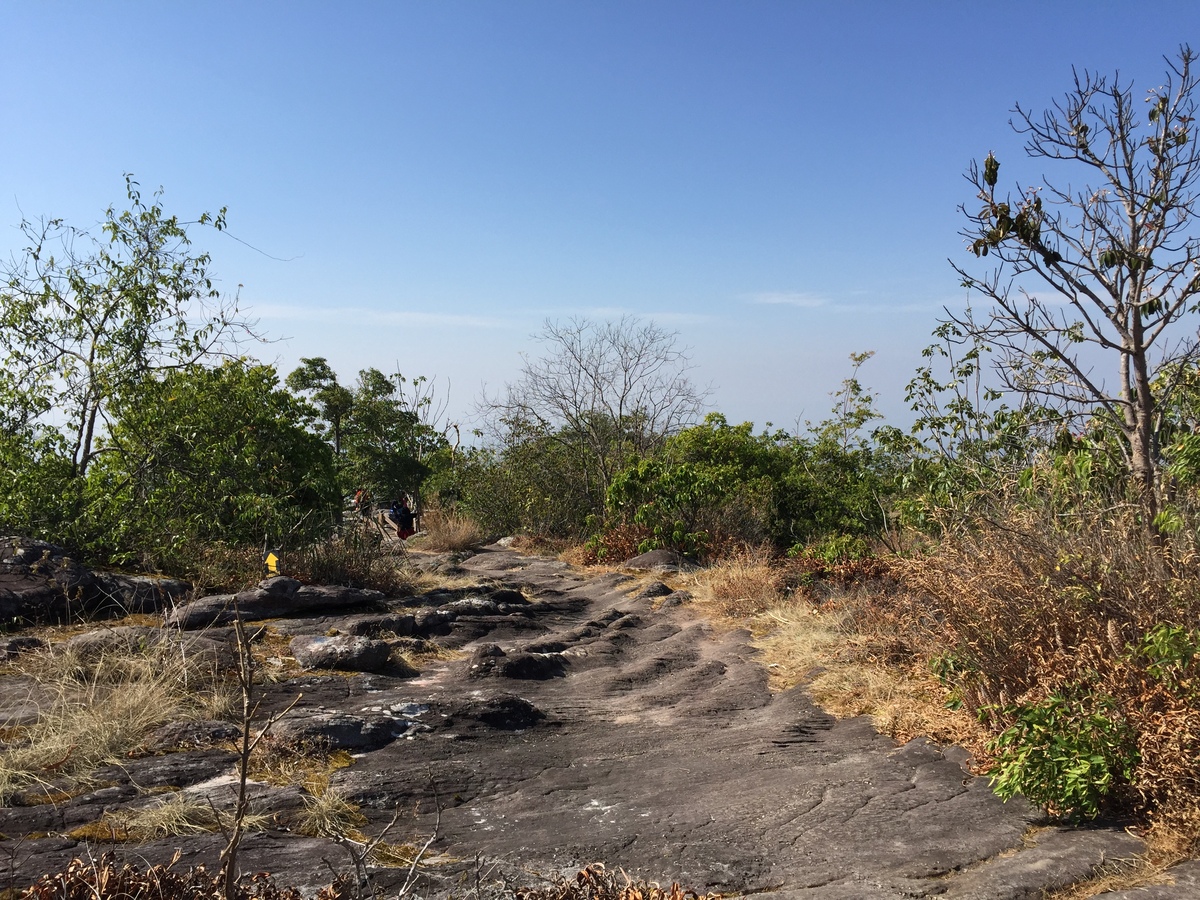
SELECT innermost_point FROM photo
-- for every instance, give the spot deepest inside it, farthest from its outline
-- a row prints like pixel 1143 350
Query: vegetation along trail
pixel 600 719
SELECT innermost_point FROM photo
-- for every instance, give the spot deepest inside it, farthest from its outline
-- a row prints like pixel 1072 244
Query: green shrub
pixel 1068 752
pixel 833 549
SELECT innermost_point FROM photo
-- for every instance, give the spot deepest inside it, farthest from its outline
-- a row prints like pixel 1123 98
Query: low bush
pixel 357 557
pixel 1073 638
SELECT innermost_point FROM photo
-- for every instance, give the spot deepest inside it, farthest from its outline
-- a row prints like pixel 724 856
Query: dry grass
pixel 220 567
pixel 101 708
pixel 847 636
pixel 445 530
pixel 281 761
pixel 180 813
pixel 742 586
pixel 329 813
pixel 417 653
pixel 850 673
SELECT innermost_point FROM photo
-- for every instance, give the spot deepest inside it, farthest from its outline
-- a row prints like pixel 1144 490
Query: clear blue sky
pixel 776 181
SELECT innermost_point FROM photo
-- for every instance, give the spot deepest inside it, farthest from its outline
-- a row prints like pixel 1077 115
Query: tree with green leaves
pixel 208 454
pixel 1098 266
pixel 316 378
pixel 84 317
pixel 384 430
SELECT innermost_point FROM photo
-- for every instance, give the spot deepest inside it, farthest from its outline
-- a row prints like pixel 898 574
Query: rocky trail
pixel 582 720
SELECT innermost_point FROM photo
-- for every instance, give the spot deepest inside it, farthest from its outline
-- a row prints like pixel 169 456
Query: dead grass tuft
pixel 329 813
pixel 99 709
pixel 178 814
pixel 744 585
pixel 446 530
pixel 283 761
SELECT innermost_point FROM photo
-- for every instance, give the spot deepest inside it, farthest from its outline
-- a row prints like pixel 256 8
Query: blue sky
pixel 426 182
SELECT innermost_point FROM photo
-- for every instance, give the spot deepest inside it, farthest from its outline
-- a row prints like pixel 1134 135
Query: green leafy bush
pixel 1068 752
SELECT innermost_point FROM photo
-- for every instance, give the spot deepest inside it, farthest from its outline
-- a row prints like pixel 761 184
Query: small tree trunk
pixel 1143 447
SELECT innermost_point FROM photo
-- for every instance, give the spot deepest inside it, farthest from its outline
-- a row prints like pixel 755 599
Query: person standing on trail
pixel 402 517
pixel 362 503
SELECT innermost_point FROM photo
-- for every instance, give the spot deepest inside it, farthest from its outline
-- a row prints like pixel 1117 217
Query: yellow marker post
pixel 271 561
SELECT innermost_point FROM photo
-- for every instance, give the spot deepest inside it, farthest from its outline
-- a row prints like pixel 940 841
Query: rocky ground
pixel 580 720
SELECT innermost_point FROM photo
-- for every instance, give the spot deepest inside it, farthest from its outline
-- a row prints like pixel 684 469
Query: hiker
pixel 362 503
pixel 402 517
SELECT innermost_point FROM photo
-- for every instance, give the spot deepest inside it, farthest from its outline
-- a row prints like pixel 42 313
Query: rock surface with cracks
pixel 589 719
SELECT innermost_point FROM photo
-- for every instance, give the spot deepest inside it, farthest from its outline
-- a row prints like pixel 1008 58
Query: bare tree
pixel 1102 267
pixel 608 391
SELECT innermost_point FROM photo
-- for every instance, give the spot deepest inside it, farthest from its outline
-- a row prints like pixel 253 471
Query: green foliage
pixel 1177 389
pixel 1169 653
pixel 1068 752
pixel 201 455
pixel 41 495
pixel 717 485
pixel 833 549
pixel 535 485
pixel 685 506
pixel 83 319
pixel 379 431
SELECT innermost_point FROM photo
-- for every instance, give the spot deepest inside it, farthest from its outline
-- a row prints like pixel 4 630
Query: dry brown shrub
pixel 743 585
pixel 106 879
pixel 622 542
pixel 1033 604
pixel 595 882
pixel 615 545
pixel 446 530
pixel 579 555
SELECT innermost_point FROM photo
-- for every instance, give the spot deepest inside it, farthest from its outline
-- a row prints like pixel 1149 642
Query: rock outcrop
pixel 562 720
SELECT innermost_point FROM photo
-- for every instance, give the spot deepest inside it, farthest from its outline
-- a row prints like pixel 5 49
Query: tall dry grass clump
pixel 357 557
pixel 743 585
pixel 447 530
pixel 97 708
pixel 1075 638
